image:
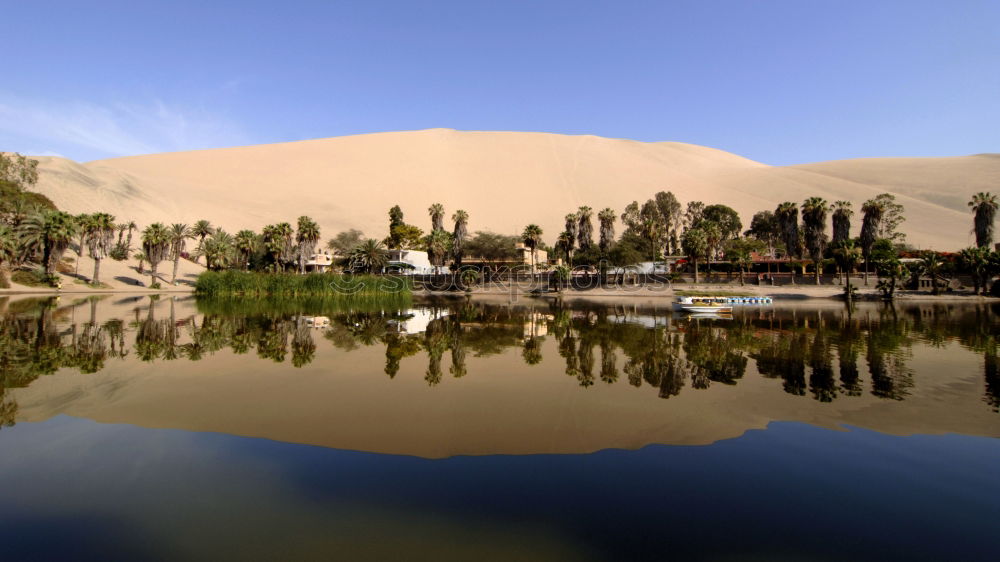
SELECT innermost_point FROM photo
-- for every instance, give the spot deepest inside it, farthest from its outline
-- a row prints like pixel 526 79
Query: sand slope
pixel 503 179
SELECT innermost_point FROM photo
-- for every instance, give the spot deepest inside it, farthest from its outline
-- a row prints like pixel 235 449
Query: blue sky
pixel 780 81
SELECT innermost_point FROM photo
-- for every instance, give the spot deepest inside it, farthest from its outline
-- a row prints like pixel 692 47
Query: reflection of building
pixel 409 262
pixel 320 263
pixel 316 321
pixel 415 321
pixel 536 325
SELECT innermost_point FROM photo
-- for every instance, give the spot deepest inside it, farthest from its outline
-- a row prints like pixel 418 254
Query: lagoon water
pixel 171 428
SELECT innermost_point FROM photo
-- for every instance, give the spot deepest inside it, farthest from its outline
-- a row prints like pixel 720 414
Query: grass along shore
pixel 341 287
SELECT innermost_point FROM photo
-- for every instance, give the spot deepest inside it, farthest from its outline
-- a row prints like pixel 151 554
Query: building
pixel 320 263
pixel 409 262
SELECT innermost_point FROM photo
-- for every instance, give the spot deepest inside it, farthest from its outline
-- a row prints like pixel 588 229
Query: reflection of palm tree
pixel 531 352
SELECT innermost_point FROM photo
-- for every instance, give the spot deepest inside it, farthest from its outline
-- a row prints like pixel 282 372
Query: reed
pixel 347 288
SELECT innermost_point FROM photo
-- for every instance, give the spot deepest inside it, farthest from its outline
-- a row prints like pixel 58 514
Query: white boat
pixel 707 307
pixel 717 304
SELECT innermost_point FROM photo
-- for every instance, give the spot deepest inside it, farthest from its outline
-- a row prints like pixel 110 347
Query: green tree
pixel 246 243
pixel 156 247
pixel 740 253
pixel 842 214
pixel 607 235
pixel 202 229
pixel 532 237
pixel 671 217
pixel 814 212
pixel 872 210
pixel 764 227
pixel 694 241
pixel 585 231
pixel 787 217
pixel 306 238
pixel 345 241
pixel 888 267
pixel 932 266
pixel 277 239
pixel 847 256
pixel 179 235
pixel 984 209
pixel 727 219
pixel 369 257
pixel 459 235
pixel 51 231
pixel 436 212
pixel 438 245
pixel 100 236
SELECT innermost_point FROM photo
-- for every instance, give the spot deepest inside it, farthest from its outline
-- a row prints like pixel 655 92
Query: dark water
pixel 139 429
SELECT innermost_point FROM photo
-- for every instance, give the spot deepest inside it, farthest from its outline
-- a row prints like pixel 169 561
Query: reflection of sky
pixel 78 489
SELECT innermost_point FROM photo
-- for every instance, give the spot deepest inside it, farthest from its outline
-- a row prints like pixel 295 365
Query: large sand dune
pixel 503 179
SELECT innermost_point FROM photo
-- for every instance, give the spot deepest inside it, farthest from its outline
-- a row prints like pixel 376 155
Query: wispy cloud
pixel 86 130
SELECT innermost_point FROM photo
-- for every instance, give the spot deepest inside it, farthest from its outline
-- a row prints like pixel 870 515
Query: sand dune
pixel 503 179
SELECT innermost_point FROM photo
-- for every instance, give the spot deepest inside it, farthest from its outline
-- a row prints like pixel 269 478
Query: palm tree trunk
pixel 177 260
pixel 152 273
pixel 696 270
pixel 47 258
pixel 97 272
pixel 818 268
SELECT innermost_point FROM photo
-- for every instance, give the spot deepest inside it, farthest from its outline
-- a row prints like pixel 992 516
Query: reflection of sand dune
pixel 344 400
pixel 505 180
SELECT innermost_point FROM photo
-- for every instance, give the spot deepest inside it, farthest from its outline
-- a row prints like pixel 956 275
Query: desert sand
pixel 505 180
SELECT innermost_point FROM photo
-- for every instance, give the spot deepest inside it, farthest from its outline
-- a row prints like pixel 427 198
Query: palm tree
pixel 585 234
pixel 532 237
pixel 370 256
pixel 607 219
pixel 984 207
pixel 872 210
pixel 219 250
pixel 141 258
pixel 787 216
pixel 156 246
pixel 461 232
pixel 931 265
pixel 179 234
pixel 100 236
pixel 572 228
pixel 846 255
pixel 50 230
pixel 8 250
pixel 278 241
pixel 814 212
pixel 202 229
pixel 438 245
pixel 246 244
pixel 842 214
pixel 81 232
pixel 128 241
pixel 564 244
pixel 694 242
pixel 307 237
pixel 437 216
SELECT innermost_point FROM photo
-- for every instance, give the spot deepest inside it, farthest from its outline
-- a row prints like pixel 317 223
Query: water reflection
pixel 829 354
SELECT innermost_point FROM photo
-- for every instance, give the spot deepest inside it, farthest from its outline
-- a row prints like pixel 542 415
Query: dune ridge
pixel 503 179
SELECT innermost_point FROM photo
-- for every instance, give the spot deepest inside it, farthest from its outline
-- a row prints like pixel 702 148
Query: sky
pixel 778 81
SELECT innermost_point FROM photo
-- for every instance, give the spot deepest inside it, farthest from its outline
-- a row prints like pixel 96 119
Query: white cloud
pixel 87 129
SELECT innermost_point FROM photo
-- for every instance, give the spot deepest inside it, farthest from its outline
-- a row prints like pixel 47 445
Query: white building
pixel 321 262
pixel 409 262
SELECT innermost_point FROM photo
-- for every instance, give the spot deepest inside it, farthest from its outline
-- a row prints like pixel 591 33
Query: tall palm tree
pixel 438 245
pixel 846 254
pixel 219 250
pixel 787 215
pixel 156 246
pixel 607 219
pixel 564 244
pixel 437 216
pixel 984 208
pixel 461 232
pixel 842 214
pixel 872 211
pixel 246 244
pixel 694 242
pixel 81 232
pixel 179 234
pixel 128 241
pixel 532 237
pixel 202 229
pixel 100 236
pixel 51 231
pixel 573 228
pixel 370 256
pixel 8 251
pixel 278 241
pixel 814 212
pixel 307 236
pixel 585 234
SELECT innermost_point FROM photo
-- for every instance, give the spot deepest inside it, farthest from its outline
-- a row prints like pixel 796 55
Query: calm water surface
pixel 174 429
